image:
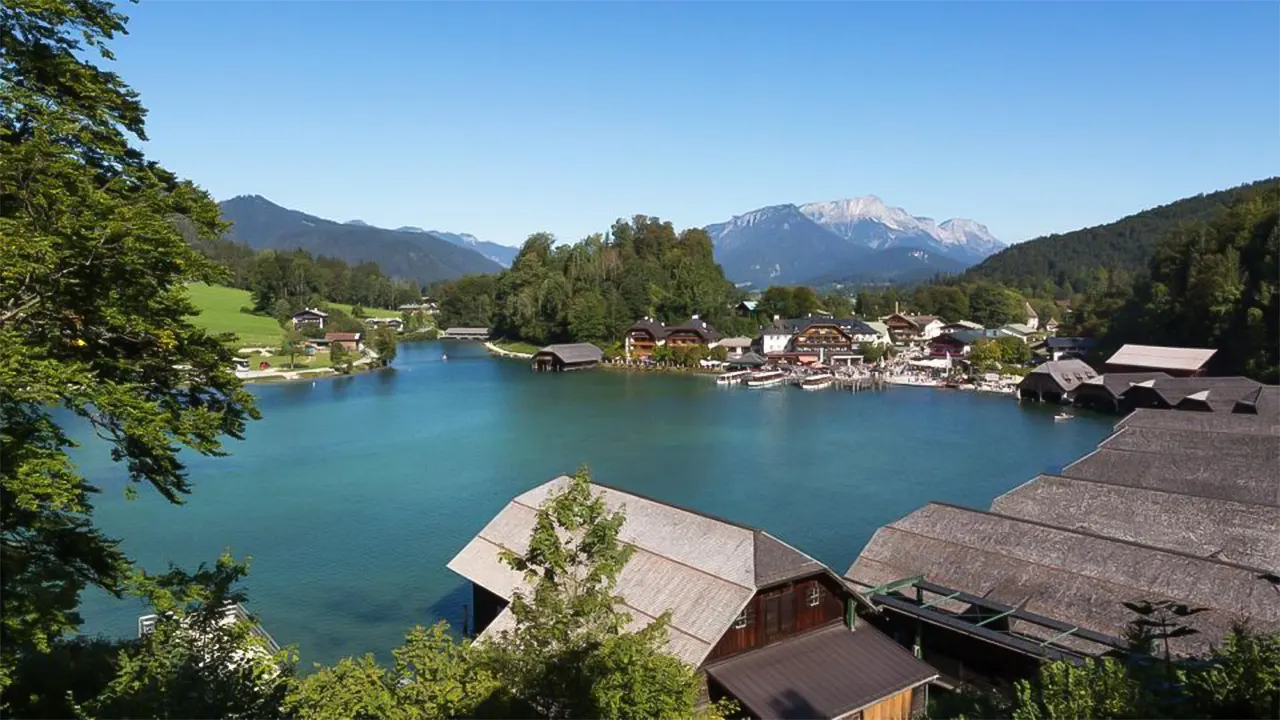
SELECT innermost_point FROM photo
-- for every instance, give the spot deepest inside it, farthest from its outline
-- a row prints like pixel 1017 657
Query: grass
pixel 516 346
pixel 220 313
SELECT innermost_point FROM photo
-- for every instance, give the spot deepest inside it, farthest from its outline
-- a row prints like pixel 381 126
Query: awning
pixel 822 674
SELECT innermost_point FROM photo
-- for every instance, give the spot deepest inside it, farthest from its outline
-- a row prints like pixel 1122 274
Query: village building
pixel 762 622
pixel 746 360
pixel 382 322
pixel 1018 330
pixel 747 308
pixel 1178 362
pixel 465 333
pixel 1201 394
pixel 1032 318
pixel 1055 381
pixel 350 341
pixel 775 337
pixel 1106 392
pixel 309 316
pixel 1062 348
pixel 694 332
pixel 736 345
pixel 830 339
pixel 567 356
pixel 959 326
pixel 642 337
pixel 960 342
pixel 882 332
pixel 1050 326
pixel 912 328
pixel 1181 506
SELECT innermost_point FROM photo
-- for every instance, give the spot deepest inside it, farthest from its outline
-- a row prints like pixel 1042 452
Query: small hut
pixel 1055 381
pixel 746 360
pixel 567 356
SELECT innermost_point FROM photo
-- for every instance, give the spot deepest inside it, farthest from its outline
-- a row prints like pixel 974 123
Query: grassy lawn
pixel 516 346
pixel 220 312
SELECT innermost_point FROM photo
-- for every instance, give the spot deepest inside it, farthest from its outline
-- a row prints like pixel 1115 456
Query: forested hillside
pixel 1068 263
pixel 1214 285
pixel 594 289
pixel 411 255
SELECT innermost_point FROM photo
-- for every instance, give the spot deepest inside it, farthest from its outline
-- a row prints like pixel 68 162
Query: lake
pixel 352 493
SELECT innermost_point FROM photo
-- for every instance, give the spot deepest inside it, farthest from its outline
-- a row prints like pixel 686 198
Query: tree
pixel 838 304
pixel 384 343
pixel 337 354
pixel 1013 350
pixel 93 315
pixel 993 305
pixel 434 676
pixel 985 355
pixel 568 654
pixel 292 344
pixel 587 321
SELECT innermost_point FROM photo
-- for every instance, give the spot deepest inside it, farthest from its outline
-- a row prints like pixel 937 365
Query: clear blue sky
pixel 505 119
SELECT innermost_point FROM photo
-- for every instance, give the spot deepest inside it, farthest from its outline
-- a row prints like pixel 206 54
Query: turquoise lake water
pixel 352 493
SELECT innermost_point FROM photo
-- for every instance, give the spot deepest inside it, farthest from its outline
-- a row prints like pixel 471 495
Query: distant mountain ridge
pixel 424 257
pixel 803 244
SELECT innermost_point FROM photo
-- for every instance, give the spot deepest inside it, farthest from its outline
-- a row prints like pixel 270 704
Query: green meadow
pixel 220 313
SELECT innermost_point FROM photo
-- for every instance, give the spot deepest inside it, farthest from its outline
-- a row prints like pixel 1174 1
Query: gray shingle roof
pixel 747 359
pixel 1222 392
pixel 1234 532
pixel 1064 374
pixel 653 327
pixel 574 352
pixel 1069 575
pixel 1161 358
pixel 699 326
pixel 823 674
pixel 1248 479
pixel 1203 422
pixel 1263 401
pixel 703 569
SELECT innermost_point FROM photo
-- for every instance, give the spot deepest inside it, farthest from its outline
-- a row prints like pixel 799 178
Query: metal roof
pixel 574 352
pixel 1161 358
pixel 823 674
pixel 703 569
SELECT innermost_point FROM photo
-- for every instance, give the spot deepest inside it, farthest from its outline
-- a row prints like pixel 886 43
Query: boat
pixel 1062 416
pixel 733 376
pixel 766 378
pixel 817 382
pixel 444 357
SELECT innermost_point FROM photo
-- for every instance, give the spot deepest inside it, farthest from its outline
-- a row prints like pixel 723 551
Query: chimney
pixel 775 317
pixel 895 307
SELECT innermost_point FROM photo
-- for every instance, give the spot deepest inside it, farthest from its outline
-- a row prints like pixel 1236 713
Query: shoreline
pixel 509 354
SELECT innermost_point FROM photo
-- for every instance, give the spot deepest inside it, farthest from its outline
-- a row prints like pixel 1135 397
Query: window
pixel 815 596
pixel 742 620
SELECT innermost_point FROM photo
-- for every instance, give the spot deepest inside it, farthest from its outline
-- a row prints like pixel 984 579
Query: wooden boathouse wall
pixel 780 612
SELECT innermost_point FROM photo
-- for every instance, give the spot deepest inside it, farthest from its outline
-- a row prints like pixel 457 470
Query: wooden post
pixel 918 649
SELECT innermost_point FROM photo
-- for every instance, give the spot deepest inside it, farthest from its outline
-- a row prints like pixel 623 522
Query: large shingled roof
pixel 574 352
pixel 703 569
pixel 1161 358
pixel 1174 505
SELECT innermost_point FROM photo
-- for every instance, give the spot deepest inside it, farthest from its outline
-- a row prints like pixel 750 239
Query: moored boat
pixel 766 378
pixel 817 382
pixel 732 377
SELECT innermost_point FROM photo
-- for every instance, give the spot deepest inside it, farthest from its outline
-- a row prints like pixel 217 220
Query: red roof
pixel 342 337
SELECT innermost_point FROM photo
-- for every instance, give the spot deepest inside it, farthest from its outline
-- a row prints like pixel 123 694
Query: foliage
pixel 993 305
pixel 94 315
pixel 1241 679
pixel 594 289
pixel 292 280
pixel 1094 689
pixel 568 654
pixel 434 676
pixel 293 343
pixel 873 353
pixel 338 354
pixel 1211 285
pixel 469 301
pixel 985 355
pixel 788 302
pixel 838 304
pixel 384 343
pixel 1065 264
pixel 1013 351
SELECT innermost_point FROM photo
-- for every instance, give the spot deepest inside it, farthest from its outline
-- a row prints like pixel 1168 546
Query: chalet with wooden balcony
pixel 830 337
pixel 762 622
pixel 910 328
pixel 695 331
pixel 642 337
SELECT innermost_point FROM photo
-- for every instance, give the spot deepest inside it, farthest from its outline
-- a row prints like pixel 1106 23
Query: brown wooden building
pixel 830 336
pixel 642 337
pixel 567 356
pixel 764 623
pixel 695 331
pixel 906 328
pixel 1176 362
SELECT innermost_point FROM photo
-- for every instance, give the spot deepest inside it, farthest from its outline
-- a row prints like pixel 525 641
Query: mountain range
pixel 859 239
pixel 409 253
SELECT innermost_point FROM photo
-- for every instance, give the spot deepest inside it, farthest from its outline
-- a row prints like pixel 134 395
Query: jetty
pixel 465 333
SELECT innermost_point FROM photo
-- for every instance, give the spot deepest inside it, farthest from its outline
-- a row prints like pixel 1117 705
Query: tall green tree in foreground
pixel 93 315
pixel 568 655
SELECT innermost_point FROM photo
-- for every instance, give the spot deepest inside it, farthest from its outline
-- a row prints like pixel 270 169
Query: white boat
pixel 735 376
pixel 1062 416
pixel 766 378
pixel 444 357
pixel 818 382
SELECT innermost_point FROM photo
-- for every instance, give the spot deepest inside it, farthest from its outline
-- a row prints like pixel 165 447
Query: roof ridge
pixel 1097 536
pixel 691 511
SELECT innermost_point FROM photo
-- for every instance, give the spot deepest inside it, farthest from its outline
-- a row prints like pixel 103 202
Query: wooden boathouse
pixel 762 622
pixel 1055 381
pixel 1181 506
pixel 465 333
pixel 567 356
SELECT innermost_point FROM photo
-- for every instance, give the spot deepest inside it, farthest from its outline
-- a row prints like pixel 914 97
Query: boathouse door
pixel 779 614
